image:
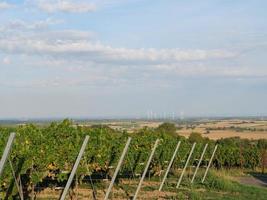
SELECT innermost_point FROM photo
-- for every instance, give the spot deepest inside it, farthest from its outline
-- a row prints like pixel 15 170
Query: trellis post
pixel 74 169
pixel 145 171
pixel 16 181
pixel 188 159
pixel 199 162
pixel 169 166
pixel 118 167
pixel 6 151
pixel 206 172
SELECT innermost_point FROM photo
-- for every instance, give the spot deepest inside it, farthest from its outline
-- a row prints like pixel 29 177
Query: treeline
pixel 45 155
pixel 236 128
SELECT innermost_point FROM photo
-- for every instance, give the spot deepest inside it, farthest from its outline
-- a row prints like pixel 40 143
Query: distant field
pixel 213 129
pixel 215 135
pixel 252 129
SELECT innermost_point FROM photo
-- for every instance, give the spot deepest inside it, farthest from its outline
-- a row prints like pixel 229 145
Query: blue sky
pixel 118 58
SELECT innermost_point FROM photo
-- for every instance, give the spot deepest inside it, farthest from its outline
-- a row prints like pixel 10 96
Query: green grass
pixel 218 185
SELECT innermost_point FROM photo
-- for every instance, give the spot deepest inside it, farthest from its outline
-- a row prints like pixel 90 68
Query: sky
pixel 132 58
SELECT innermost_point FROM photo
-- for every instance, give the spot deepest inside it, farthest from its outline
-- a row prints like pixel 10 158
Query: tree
pixel 195 137
pixel 167 128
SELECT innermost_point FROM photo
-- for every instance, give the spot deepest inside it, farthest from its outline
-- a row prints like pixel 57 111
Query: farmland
pixel 246 129
pixel 213 129
pixel 44 155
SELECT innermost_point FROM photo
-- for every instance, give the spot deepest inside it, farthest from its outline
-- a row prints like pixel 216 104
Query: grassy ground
pixel 221 184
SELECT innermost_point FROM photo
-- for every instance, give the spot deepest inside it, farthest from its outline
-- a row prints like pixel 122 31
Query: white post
pixel 206 172
pixel 73 171
pixel 118 167
pixel 169 166
pixel 188 159
pixel 146 168
pixel 199 162
pixel 6 151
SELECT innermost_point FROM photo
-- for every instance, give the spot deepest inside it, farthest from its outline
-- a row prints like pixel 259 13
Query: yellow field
pixel 213 129
pixel 229 128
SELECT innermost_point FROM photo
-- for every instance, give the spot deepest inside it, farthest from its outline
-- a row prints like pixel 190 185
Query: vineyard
pixel 44 156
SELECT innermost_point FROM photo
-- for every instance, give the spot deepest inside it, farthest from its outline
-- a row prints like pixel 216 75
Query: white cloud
pixel 5 5
pixel 210 70
pixel 65 35
pixel 104 53
pixel 35 38
pixel 6 60
pixel 65 6
pixel 84 61
pixel 21 25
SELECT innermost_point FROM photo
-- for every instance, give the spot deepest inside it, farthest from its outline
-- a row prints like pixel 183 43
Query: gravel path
pixel 255 180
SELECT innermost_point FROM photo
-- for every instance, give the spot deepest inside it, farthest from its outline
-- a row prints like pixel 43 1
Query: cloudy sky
pixel 118 58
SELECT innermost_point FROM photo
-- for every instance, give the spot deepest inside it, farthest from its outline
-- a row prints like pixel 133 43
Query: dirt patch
pixel 148 192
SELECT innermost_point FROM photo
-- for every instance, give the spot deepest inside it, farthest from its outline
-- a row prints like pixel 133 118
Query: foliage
pixel 43 154
pixel 197 137
pixel 167 128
